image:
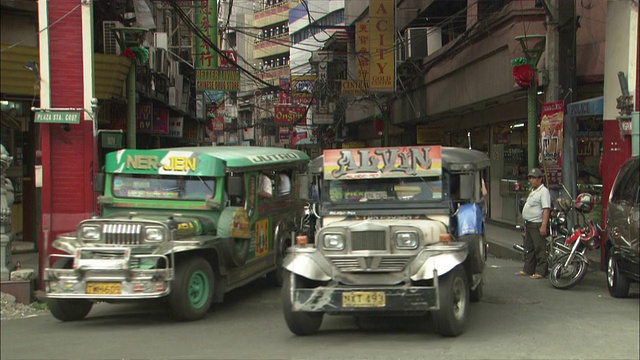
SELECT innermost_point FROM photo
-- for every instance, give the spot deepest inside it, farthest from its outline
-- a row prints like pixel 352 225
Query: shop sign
pixel 144 120
pixel 218 79
pixel 429 134
pixel 354 88
pixel 176 125
pixel 225 64
pixel 362 51
pixel 590 107
pixel 206 19
pixel 286 115
pixel 57 117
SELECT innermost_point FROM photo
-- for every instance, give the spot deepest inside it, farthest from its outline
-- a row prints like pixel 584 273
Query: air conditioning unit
pixel 161 62
pixel 417 43
pixel 109 41
pixel 401 49
pixel 160 40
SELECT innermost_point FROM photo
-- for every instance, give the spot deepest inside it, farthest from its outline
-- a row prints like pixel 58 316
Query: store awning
pixel 110 73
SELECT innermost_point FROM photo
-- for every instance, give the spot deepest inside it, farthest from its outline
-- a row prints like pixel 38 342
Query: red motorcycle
pixel 569 269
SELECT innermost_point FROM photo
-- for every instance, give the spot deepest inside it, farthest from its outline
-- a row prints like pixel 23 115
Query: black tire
pixel 476 295
pixel 477 251
pixel 192 289
pixel 68 310
pixel 451 318
pixel 564 278
pixel 617 282
pixel 299 322
pixel 276 277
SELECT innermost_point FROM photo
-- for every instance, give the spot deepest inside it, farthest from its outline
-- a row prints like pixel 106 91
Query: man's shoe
pixel 521 273
pixel 536 276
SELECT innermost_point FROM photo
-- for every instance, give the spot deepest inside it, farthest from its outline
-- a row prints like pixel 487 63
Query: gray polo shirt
pixel 537 201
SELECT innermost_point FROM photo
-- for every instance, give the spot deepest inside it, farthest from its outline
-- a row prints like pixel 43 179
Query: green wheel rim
pixel 198 289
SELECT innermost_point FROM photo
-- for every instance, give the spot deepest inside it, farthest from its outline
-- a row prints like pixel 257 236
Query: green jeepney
pixel 186 224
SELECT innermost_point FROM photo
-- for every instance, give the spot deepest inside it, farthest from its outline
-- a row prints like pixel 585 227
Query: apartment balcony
pixel 272 46
pixel 274 13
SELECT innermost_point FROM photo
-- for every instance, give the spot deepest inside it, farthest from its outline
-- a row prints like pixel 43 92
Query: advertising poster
pixel 550 145
pixel 302 89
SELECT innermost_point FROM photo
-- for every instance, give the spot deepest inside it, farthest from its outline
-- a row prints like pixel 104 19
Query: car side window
pixel 621 191
pixel 630 185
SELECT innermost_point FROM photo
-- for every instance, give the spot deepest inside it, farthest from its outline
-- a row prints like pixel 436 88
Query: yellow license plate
pixel 363 299
pixel 103 288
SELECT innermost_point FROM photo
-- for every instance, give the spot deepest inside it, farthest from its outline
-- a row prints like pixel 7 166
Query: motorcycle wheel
pixel 565 277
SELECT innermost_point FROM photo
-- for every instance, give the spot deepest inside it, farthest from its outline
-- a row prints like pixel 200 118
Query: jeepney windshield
pixel 389 189
pixel 163 187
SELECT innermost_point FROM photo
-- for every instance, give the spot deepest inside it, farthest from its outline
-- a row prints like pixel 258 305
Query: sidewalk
pixel 501 238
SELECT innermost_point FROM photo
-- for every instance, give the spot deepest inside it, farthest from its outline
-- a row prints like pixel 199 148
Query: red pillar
pixel 67 194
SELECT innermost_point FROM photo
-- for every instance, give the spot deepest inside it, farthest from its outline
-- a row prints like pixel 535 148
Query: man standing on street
pixel 536 217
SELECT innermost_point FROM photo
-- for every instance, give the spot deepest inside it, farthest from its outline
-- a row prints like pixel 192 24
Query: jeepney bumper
pixel 111 279
pixel 365 299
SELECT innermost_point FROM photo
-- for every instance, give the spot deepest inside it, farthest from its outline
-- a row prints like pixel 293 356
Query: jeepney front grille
pixel 368 240
pixel 362 263
pixel 122 234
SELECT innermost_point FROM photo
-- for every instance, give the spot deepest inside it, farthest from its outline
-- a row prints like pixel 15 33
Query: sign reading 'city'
pixel 58 117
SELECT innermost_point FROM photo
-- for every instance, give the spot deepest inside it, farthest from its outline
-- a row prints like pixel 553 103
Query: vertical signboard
pixel 144 118
pixel 381 31
pixel 551 134
pixel 160 121
pixel 206 19
pixel 362 51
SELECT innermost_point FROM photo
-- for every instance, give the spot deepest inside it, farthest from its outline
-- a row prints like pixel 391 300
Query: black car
pixel 622 242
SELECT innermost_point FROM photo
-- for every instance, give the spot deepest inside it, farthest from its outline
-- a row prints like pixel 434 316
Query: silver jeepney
pixel 392 245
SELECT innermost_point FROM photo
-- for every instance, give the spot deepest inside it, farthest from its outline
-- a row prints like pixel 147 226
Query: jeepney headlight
pixel 154 234
pixel 90 232
pixel 333 241
pixel 406 240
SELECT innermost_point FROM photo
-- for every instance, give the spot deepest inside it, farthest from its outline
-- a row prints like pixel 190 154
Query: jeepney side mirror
pixel 466 187
pixel 303 186
pixel 235 185
pixel 98 183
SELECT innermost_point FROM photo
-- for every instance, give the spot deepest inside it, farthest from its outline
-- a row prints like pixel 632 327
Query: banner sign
pixel 206 19
pixel 302 89
pixel 144 120
pixel 551 136
pixel 219 79
pixel 383 57
pixel 362 51
pixel 354 88
pixel 373 163
pixel 283 96
pixel 225 64
pixel 176 125
pixel 286 114
pixel 160 121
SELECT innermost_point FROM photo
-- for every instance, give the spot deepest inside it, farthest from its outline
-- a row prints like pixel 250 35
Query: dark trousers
pixel 535 261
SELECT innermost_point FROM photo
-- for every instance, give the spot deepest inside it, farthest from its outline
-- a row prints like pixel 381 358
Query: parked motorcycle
pixel 569 269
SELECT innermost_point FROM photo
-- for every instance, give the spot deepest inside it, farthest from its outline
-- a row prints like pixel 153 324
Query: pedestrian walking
pixel 536 218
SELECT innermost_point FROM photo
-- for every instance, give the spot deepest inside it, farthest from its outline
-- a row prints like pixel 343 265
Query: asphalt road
pixel 518 318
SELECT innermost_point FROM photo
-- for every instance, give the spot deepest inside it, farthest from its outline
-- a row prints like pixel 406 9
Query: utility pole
pixel 567 76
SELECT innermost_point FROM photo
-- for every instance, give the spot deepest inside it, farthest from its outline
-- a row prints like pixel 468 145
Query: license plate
pixel 103 288
pixel 363 299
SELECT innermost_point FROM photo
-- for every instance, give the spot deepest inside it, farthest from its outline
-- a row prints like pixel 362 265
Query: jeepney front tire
pixel 477 251
pixel 68 310
pixel 451 318
pixel 192 289
pixel 299 322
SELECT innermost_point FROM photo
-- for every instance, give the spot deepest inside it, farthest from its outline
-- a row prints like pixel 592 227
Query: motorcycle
pixel 570 268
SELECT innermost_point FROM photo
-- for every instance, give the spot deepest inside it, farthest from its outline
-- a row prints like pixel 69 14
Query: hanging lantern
pixel 522 72
pixel 314 133
pixel 329 133
pixel 378 125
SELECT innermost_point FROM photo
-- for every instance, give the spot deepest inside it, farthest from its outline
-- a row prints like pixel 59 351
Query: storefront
pixel 587 115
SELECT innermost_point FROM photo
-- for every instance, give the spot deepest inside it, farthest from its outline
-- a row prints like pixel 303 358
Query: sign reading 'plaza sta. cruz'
pixel 57 117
